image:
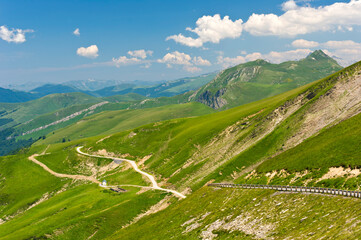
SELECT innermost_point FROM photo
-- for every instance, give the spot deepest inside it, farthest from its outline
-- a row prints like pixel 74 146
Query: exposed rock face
pixel 215 101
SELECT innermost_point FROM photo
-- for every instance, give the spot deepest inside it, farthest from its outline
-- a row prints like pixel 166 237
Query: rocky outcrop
pixel 214 101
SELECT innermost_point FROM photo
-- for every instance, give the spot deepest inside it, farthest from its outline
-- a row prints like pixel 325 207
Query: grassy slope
pixel 337 146
pixel 294 216
pixel 23 183
pixel 171 143
pixel 29 110
pixel 76 213
pixel 125 98
pixel 110 122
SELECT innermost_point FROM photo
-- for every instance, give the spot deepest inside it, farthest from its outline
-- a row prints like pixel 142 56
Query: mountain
pixel 309 136
pixel 22 112
pixel 92 85
pixel 166 89
pixel 259 79
pixel 13 96
pixel 53 88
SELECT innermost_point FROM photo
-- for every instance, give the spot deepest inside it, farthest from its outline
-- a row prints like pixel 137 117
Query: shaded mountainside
pixel 278 140
pixel 255 80
pixel 53 88
pixel 13 96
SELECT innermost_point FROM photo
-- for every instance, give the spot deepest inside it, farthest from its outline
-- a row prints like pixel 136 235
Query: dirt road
pixel 135 167
pixel 62 175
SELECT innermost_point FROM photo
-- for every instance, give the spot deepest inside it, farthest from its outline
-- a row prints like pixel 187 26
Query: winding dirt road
pixel 62 175
pixel 135 167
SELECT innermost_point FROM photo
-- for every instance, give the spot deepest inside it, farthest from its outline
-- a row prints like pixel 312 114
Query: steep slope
pixel 259 79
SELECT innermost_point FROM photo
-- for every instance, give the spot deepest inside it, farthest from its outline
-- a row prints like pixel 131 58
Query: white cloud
pixel 228 61
pixel 345 52
pixel 289 5
pixel 188 41
pixel 273 57
pixel 179 58
pixel 210 29
pixel 123 60
pixel 302 43
pixel 176 58
pixel 143 54
pixel 89 52
pixel 192 69
pixel 306 19
pixel 76 32
pixel 341 44
pixel 201 62
pixel 13 35
pixel 278 57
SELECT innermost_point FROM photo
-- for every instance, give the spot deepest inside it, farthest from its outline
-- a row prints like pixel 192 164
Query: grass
pixel 26 111
pixel 337 146
pixel 79 212
pixel 23 183
pixel 110 122
pixel 294 216
pixel 171 143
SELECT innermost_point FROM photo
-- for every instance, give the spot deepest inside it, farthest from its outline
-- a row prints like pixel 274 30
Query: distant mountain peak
pixel 318 55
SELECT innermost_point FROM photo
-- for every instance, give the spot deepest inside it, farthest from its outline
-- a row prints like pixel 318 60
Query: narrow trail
pixel 62 175
pixel 136 168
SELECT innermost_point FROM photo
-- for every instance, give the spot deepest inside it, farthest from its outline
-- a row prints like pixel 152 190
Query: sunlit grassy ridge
pixel 110 122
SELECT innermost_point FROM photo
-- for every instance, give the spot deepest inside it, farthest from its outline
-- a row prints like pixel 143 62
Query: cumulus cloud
pixel 136 57
pixel 123 60
pixel 210 29
pixel 289 5
pixel 13 35
pixel 341 44
pixel 76 32
pixel 89 52
pixel 345 52
pixel 189 64
pixel 305 19
pixel 201 62
pixel 143 54
pixel 192 69
pixel 302 43
pixel 176 58
pixel 273 57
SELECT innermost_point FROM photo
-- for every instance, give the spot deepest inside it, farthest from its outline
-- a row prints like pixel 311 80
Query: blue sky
pixel 127 40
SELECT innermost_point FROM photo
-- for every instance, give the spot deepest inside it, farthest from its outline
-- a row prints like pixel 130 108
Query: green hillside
pixel 259 142
pixel 256 80
pixel 110 122
pixel 22 112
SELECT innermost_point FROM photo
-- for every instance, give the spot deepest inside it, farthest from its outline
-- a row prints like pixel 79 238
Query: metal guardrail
pixel 347 193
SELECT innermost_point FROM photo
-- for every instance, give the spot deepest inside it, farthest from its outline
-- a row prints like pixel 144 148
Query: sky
pixel 151 40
